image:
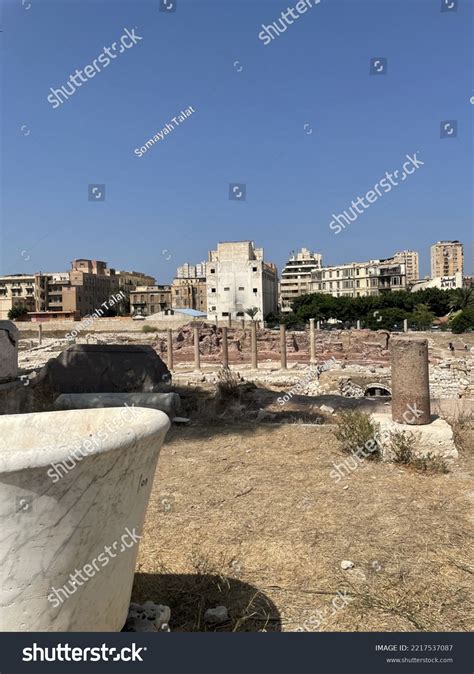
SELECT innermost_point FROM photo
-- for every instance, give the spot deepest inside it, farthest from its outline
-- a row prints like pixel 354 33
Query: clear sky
pixel 299 121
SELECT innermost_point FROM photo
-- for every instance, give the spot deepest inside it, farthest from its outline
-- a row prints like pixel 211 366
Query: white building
pixel 360 279
pixel 296 276
pixel 238 278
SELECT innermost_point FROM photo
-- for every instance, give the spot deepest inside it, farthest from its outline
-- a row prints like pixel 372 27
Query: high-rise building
pixel 296 276
pixel 191 270
pixel 238 279
pixel 411 260
pixel 447 258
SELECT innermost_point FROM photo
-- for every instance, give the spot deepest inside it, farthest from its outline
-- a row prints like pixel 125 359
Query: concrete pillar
pixel 197 357
pixel 405 325
pixel 283 346
pixel 169 350
pixel 225 350
pixel 358 325
pixel 40 334
pixel 312 342
pixel 410 381
pixel 253 344
pixel 318 325
pixel 230 320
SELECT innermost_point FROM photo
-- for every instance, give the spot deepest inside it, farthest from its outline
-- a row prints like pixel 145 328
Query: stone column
pixel 243 323
pixel 358 325
pixel 216 320
pixel 312 342
pixel 40 334
pixel 230 320
pixel 283 346
pixel 318 325
pixel 405 325
pixel 169 351
pixel 225 350
pixel 197 357
pixel 410 381
pixel 253 344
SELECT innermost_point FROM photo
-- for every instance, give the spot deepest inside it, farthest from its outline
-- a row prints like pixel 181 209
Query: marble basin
pixel 74 487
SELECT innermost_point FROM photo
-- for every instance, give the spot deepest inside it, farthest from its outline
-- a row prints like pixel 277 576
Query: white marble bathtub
pixel 72 484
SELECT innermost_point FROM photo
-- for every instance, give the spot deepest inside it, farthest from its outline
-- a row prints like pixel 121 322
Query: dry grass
pixel 257 524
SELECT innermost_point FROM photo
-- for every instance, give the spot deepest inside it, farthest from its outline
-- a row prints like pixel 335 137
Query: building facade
pixel 189 293
pixel 238 278
pixel 447 258
pixel 360 279
pixel 191 270
pixel 18 290
pixel 411 260
pixel 149 300
pixel 296 276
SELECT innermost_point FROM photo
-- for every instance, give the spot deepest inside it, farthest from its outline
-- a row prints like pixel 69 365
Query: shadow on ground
pixel 190 595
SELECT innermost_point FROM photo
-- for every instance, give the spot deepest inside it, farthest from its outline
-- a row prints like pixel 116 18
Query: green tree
pixel 422 317
pixel 463 321
pixel 462 298
pixel 252 312
pixel 17 312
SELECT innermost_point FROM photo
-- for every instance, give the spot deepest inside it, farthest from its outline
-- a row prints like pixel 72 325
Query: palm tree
pixel 462 299
pixel 252 312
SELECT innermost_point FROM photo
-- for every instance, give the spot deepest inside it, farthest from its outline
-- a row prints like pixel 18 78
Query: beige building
pixel 129 280
pixel 360 279
pixel 238 278
pixel 411 260
pixel 189 293
pixel 447 258
pixel 20 290
pixel 296 276
pixel 149 300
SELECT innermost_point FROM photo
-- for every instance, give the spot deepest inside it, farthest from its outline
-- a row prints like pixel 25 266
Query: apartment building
pixel 447 258
pixel 238 278
pixel 130 280
pixel 296 276
pixel 411 260
pixel 189 293
pixel 19 290
pixel 360 279
pixel 191 270
pixel 149 300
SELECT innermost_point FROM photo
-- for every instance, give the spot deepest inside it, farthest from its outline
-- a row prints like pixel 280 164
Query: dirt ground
pixel 246 515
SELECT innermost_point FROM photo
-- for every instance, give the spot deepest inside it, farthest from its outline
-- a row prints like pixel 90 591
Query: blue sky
pixel 250 126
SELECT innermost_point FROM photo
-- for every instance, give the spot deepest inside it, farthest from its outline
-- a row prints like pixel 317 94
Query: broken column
pixel 405 325
pixel 283 346
pixel 253 344
pixel 169 351
pixel 410 381
pixel 312 342
pixel 197 357
pixel 225 350
pixel 358 325
pixel 40 334
pixel 230 320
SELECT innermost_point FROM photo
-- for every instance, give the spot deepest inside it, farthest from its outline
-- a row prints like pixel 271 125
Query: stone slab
pixel 435 438
pixel 165 402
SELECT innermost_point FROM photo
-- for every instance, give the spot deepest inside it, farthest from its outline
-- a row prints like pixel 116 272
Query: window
pixel 213 290
pixel 227 288
pixel 213 271
pixel 241 288
pixel 255 290
pixel 240 313
pixel 254 269
pixel 213 308
pixel 225 313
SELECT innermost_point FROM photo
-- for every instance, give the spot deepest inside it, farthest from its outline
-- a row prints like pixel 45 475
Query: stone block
pixel 9 335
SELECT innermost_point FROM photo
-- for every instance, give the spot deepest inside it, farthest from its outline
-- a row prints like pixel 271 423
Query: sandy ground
pixel 247 515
